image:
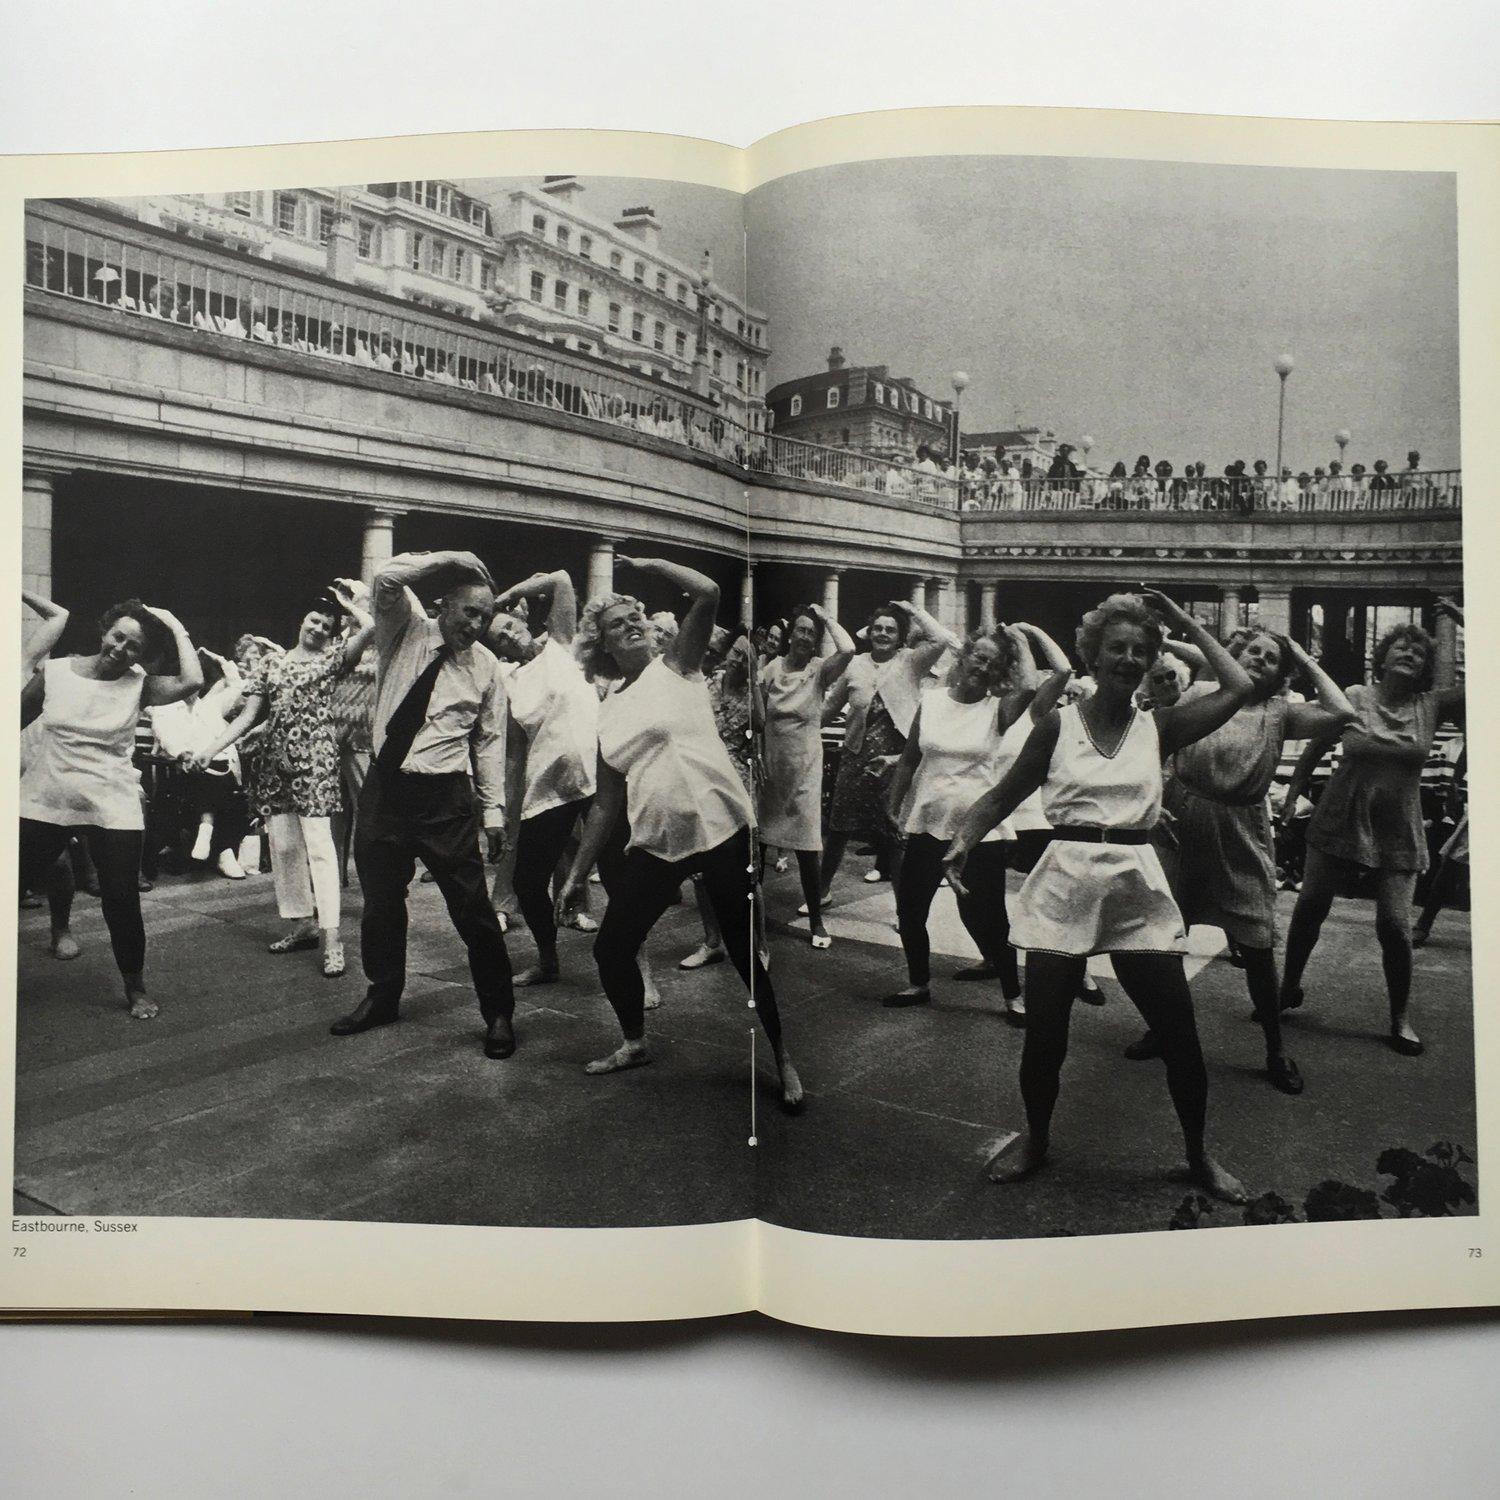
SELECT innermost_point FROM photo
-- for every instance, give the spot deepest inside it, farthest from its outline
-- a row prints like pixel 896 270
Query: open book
pixel 983 589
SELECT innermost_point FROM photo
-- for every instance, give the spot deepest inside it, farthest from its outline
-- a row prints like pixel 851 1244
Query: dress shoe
pixel 500 1039
pixel 1144 1049
pixel 368 1014
pixel 1282 1072
pixel 1407 1046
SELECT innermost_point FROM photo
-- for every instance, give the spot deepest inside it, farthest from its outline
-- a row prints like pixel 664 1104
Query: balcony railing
pixel 1410 490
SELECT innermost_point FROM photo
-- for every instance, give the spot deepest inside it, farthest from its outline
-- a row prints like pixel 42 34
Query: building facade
pixel 1038 444
pixel 861 407
pixel 609 289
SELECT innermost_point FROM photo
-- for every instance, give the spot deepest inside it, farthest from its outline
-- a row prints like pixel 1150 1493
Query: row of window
pixel 563 238
pixel 915 404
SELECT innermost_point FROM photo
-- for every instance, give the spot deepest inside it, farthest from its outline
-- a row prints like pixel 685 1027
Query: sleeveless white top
pixel 1086 788
pixel 558 710
pixel 683 795
pixel 961 761
pixel 81 774
pixel 1100 898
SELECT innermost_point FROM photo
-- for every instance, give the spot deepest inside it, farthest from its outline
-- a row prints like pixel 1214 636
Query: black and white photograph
pixel 924 701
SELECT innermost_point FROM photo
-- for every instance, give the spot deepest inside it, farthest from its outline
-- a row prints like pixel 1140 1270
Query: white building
pixel 608 289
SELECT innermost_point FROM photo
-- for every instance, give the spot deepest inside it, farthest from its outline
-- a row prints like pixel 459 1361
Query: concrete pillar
pixel 831 593
pixel 1275 611
pixel 942 606
pixel 987 593
pixel 601 579
pixel 1229 612
pixel 36 532
pixel 918 595
pixel 1446 631
pixel 747 596
pixel 378 544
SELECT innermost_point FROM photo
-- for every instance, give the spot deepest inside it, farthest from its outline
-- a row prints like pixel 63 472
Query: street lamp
pixel 960 381
pixel 1283 366
pixel 1341 437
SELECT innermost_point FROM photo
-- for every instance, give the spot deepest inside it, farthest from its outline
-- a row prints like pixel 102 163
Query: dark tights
pixel 982 910
pixel 1265 993
pixel 539 845
pixel 1156 984
pixel 643 889
pixel 116 854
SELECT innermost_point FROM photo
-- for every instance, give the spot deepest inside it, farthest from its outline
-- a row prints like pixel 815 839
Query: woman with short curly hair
pixel 1370 814
pixel 1099 886
pixel 81 779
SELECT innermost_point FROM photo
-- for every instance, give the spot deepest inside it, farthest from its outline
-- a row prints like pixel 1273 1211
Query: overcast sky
pixel 1140 303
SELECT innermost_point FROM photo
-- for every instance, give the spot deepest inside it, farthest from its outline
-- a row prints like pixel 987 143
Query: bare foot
pixel 1213 1179
pixel 536 974
pixel 627 1055
pixel 65 946
pixel 1018 1158
pixel 792 1097
pixel 652 998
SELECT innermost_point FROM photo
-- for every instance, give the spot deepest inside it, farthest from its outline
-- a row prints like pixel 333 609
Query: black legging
pixel 1156 984
pixel 209 792
pixel 116 854
pixel 982 910
pixel 539 846
pixel 642 890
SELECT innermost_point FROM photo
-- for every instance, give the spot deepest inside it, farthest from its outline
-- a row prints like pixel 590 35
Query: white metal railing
pixel 1409 490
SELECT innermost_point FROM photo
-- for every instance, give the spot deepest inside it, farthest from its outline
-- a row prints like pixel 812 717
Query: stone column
pixel 1275 612
pixel 1446 631
pixel 918 595
pixel 601 579
pixel 987 592
pixel 941 608
pixel 1229 612
pixel 379 543
pixel 831 592
pixel 747 596
pixel 36 532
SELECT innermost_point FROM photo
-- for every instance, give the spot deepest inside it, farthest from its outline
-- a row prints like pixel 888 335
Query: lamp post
pixel 960 381
pixel 1283 366
pixel 1341 437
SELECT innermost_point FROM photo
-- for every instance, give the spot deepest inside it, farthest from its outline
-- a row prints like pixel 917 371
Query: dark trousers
pixel 116 854
pixel 539 846
pixel 221 796
pixel 435 819
pixel 645 887
pixel 982 911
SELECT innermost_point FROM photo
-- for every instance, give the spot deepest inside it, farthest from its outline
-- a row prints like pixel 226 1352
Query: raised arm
pixel 189 676
pixel 48 634
pixel 843 647
pixel 395 607
pixel 1329 714
pixel 1196 659
pixel 935 638
pixel 1027 772
pixel 1192 718
pixel 562 609
pixel 351 595
pixel 685 654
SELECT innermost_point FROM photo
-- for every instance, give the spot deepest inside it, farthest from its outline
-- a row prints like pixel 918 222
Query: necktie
pixel 409 716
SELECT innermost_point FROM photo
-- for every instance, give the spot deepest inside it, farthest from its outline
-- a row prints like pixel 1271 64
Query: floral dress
pixel 297 761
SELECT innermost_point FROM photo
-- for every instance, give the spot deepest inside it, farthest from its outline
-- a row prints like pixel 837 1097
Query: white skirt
pixel 1082 899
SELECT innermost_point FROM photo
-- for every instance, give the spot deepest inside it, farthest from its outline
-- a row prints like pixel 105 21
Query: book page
pixel 361 884
pixel 1111 393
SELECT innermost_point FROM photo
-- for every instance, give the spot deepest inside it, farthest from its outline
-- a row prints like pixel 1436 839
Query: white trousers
pixel 304 867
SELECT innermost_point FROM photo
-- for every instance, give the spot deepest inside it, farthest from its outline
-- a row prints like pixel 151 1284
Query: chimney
pixel 641 224
pixel 564 187
pixel 836 358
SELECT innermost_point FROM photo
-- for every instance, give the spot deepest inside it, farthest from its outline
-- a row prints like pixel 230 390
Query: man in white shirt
pixel 440 713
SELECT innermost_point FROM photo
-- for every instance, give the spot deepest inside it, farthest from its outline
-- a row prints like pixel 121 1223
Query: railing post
pixel 601 579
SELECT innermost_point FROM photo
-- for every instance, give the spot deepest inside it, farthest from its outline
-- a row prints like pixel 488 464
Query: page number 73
pixel 1475 1253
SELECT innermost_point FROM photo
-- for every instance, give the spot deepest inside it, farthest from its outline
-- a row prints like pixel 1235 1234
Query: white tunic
pixel 1029 815
pixel 961 760
pixel 81 773
pixel 683 795
pixel 558 711
pixel 1100 898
